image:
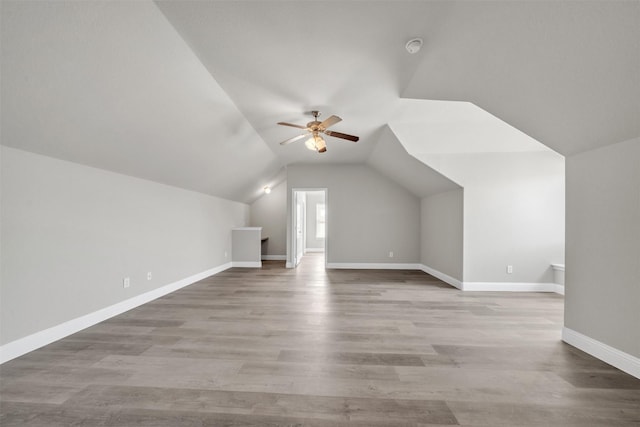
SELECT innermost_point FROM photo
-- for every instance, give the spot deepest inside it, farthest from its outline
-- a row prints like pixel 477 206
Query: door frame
pixel 292 250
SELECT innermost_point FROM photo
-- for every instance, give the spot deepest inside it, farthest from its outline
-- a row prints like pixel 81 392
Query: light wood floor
pixel 309 347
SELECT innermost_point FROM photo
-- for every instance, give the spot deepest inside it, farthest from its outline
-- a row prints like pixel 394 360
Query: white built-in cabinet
pixel 246 247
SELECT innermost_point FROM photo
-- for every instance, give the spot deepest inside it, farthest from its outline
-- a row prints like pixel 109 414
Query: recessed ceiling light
pixel 267 189
pixel 413 45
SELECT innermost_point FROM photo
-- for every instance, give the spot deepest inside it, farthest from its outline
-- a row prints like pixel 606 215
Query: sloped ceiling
pixel 112 85
pixel 279 60
pixel 188 93
pixel 454 127
pixel 391 159
pixel 566 73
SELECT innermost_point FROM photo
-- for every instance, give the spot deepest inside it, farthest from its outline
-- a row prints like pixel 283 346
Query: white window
pixel 320 221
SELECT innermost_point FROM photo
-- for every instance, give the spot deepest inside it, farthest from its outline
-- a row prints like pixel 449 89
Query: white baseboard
pixel 247 264
pixel 508 286
pixel 288 264
pixel 314 250
pixel 493 286
pixel 274 257
pixel 621 360
pixel 442 276
pixel 372 266
pixel 39 339
pixel 465 286
pixel 558 276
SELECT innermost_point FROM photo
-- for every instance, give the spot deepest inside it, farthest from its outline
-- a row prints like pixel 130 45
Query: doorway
pixel 309 224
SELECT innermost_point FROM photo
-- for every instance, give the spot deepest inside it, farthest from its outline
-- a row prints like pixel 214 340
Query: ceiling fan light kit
pixel 316 143
pixel 314 129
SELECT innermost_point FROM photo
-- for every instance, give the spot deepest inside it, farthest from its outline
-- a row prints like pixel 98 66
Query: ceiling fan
pixel 314 129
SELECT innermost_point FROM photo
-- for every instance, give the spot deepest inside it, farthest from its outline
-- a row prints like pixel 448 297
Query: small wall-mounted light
pixel 413 45
pixel 267 189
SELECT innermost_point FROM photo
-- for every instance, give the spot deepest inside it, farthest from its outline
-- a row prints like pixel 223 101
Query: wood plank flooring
pixel 309 347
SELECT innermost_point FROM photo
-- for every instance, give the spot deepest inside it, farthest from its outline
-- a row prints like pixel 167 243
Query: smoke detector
pixel 413 45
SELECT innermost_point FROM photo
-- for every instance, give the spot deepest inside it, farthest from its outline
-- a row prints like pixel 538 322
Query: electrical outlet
pixel 390 254
pixel 509 269
pixel 225 254
pixel 149 275
pixel 126 282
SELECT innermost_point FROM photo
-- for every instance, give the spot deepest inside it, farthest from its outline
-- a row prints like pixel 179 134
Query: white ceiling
pixel 451 127
pixel 113 86
pixel 188 93
pixel 391 158
pixel 567 73
pixel 279 60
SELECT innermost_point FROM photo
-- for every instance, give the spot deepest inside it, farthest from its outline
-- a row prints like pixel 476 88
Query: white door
pixel 299 226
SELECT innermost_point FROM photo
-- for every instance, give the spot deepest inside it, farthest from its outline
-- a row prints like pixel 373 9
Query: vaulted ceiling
pixel 188 93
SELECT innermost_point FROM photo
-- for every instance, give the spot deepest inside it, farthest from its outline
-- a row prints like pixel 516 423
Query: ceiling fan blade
pixel 330 122
pixel 294 139
pixel 292 125
pixel 342 135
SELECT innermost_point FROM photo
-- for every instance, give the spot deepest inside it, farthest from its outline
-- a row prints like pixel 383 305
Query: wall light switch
pixel 126 282
pixel 509 269
pixel 149 275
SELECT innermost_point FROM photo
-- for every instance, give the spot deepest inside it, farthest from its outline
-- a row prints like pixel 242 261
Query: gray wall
pixel 514 213
pixel 515 216
pixel 602 279
pixel 270 212
pixel 313 199
pixel 71 233
pixel 368 215
pixel 442 232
